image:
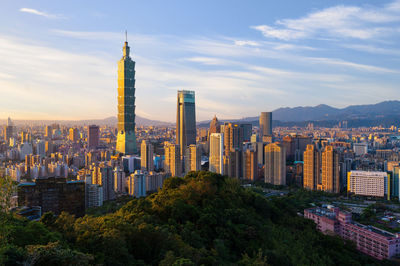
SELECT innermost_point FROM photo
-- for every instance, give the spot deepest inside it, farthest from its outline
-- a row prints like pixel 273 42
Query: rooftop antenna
pixel 126 36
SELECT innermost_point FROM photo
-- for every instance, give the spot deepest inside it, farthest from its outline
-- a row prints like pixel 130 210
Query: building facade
pixel 275 164
pixel 185 120
pixel 266 124
pixel 370 240
pixel 216 161
pixel 146 156
pixel 126 137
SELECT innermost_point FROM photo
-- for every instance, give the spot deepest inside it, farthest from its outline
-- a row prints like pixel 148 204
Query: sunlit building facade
pixel 126 138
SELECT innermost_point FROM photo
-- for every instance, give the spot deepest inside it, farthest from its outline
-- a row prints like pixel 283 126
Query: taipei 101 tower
pixel 126 139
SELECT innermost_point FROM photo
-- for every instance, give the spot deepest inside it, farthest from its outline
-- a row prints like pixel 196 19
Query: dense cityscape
pixel 323 190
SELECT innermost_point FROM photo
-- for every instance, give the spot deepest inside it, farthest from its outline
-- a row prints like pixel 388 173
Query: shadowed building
pixel 266 124
pixel 93 136
pixel 126 138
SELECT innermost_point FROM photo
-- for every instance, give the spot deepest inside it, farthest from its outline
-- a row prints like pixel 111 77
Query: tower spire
pixel 126 36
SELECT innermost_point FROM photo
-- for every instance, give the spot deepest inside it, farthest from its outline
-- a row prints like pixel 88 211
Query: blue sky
pixel 58 59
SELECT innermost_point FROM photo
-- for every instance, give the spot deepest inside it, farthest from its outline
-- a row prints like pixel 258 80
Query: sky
pixel 58 59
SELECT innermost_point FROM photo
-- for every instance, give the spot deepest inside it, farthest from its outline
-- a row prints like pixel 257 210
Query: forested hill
pixel 202 219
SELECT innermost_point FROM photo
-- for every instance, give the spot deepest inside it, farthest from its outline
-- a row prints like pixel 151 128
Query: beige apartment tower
pixel 330 175
pixel 192 158
pixel 173 163
pixel 275 164
pixel 312 168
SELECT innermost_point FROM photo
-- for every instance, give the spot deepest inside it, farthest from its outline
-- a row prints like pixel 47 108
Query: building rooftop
pixel 323 212
pixel 376 230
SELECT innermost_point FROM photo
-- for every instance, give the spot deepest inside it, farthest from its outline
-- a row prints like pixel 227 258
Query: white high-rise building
pixel 366 183
pixel 216 160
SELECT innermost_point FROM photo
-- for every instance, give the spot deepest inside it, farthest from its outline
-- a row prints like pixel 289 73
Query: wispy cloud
pixel 40 13
pixel 338 21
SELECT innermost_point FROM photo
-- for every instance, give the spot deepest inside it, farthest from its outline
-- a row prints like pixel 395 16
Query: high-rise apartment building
pixel 266 124
pixel 233 163
pixel 185 120
pixel 146 156
pixel 137 184
pixel 193 158
pixel 126 138
pixel 173 163
pixel 93 136
pixel 312 168
pixel 216 161
pixel 330 174
pixel 275 164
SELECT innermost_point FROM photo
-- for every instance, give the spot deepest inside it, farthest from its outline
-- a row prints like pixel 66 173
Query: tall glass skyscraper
pixel 126 138
pixel 185 120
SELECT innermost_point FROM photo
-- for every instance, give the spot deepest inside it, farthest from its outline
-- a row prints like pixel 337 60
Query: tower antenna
pixel 126 36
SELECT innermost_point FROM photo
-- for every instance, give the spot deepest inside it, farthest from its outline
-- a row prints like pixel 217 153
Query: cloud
pixel 247 43
pixel 341 21
pixel 39 13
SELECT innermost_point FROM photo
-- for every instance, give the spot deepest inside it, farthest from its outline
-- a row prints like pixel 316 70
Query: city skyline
pixel 58 62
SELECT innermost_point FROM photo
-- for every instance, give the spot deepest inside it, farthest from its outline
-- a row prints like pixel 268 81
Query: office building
pixel 266 124
pixel 367 183
pixel 311 168
pixel 146 156
pixel 126 138
pixel 330 174
pixel 173 162
pixel 216 160
pixel 275 164
pixel 93 136
pixel 185 120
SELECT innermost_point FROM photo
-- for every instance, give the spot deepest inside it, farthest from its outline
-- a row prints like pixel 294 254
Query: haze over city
pixel 58 59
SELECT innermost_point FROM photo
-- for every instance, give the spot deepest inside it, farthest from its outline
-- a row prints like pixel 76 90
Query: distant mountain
pixel 112 120
pixel 387 112
pixel 325 112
